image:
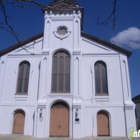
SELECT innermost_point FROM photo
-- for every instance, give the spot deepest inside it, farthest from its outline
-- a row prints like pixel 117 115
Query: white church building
pixel 64 82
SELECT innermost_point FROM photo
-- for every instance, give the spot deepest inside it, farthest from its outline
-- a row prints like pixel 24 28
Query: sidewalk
pixel 22 137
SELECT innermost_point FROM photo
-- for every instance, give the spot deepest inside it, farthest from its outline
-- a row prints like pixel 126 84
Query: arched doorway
pixel 103 127
pixel 59 120
pixel 18 124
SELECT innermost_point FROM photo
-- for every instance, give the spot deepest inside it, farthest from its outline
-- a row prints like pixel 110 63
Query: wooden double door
pixel 59 120
pixel 19 120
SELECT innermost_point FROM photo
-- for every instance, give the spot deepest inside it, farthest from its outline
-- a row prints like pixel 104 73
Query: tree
pixel 111 17
pixel 5 24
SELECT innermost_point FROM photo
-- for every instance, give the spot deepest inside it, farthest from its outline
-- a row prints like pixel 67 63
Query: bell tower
pixel 62 31
pixel 63 22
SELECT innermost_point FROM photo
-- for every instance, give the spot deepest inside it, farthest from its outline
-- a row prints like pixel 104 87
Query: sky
pixel 29 21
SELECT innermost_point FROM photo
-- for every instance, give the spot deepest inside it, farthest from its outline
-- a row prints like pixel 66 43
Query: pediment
pixel 32 48
pixel 92 47
pixel 102 45
pixel 62 5
pixel 27 48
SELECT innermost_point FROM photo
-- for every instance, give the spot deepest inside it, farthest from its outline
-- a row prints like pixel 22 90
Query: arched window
pixel 101 86
pixel 61 72
pixel 23 78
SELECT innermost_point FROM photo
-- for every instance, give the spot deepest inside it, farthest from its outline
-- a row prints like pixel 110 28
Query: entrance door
pixel 59 120
pixel 103 124
pixel 19 119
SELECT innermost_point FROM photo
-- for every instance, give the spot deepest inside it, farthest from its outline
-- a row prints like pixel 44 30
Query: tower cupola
pixel 63 22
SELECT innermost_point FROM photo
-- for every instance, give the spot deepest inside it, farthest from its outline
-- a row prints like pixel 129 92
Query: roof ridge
pixel 13 47
pixel 116 47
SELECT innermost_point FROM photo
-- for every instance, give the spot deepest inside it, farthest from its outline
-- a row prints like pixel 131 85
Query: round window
pixel 62 30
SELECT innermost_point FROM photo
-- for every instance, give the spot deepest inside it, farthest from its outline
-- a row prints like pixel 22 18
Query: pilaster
pixel 44 66
pixel 47 30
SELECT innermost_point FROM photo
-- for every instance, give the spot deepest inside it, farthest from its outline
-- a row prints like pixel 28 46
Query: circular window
pixel 62 30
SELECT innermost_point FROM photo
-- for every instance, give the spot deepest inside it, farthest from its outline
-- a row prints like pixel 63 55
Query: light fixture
pixel 40 115
pixel 76 115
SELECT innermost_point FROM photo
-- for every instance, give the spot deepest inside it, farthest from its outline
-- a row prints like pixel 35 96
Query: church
pixel 64 82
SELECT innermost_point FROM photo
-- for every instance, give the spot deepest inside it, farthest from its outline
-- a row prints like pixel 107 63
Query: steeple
pixel 62 15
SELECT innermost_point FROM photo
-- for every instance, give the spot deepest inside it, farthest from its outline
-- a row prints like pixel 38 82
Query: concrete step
pixel 22 137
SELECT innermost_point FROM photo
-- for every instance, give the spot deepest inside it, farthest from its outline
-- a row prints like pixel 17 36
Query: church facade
pixel 64 82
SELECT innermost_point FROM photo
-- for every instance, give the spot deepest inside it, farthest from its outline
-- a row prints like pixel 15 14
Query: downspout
pixel 123 96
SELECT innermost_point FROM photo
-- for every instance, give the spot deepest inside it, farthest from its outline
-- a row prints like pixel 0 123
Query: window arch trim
pixel 61 49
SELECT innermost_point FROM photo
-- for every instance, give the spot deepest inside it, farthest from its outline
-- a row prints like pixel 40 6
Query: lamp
pixel 40 115
pixel 76 115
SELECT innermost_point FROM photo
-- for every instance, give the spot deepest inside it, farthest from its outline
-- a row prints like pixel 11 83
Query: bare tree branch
pixel 34 2
pixel 3 27
pixel 111 17
pixel 23 4
pixel 6 20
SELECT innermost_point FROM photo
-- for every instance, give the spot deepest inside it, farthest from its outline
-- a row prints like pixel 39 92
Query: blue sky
pixel 28 22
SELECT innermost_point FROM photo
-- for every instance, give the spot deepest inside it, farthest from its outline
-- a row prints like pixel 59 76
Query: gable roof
pixel 16 46
pixel 115 47
pixel 136 99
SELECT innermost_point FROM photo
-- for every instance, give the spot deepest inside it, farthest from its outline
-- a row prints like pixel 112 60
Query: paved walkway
pixel 21 137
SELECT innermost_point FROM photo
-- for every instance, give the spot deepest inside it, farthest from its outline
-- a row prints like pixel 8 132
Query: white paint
pixel 84 53
pixel 138 115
